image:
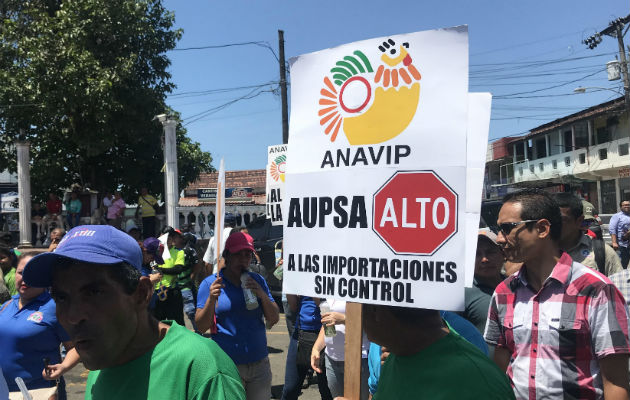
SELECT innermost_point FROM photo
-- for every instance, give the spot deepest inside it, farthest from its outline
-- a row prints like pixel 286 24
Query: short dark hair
pixel 406 316
pixel 126 275
pixel 27 254
pixel 538 204
pixel 8 251
pixel 570 201
pixel 622 201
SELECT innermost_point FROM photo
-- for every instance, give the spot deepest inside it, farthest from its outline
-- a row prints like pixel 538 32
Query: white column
pixel 589 124
pixel 170 156
pixel 197 221
pixel 24 192
pixel 617 193
pixel 560 142
pixel 599 195
pixel 514 158
pixel 547 146
pixel 525 150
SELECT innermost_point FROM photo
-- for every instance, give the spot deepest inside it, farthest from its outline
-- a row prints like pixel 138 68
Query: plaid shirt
pixel 557 335
pixel 622 281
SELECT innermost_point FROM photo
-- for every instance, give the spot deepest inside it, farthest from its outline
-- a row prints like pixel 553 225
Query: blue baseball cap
pixel 92 244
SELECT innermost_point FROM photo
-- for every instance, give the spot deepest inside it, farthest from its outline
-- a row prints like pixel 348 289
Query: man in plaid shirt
pixel 560 328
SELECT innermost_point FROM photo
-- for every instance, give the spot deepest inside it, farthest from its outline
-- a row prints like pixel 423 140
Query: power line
pixel 542 62
pixel 217 46
pixel 547 88
pixel 524 44
pixel 197 93
pixel 222 46
pixel 210 111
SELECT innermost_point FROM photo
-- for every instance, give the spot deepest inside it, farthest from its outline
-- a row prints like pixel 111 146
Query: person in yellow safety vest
pixel 170 305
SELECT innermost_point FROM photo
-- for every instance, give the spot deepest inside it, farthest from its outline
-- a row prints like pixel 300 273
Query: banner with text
pixel 375 192
pixel 276 168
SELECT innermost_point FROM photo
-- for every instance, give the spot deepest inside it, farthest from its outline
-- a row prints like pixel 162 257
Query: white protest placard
pixel 219 214
pixel 479 105
pixel 375 189
pixel 276 168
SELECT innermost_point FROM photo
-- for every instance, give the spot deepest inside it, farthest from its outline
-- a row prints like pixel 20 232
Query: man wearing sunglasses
pixel 592 252
pixel 560 328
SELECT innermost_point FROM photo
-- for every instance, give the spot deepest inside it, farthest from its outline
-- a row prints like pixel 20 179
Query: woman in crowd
pixel 30 334
pixel 335 351
pixel 307 327
pixel 236 327
pixel 116 210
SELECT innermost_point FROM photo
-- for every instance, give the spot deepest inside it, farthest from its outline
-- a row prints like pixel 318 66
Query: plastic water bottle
pixel 251 301
pixel 329 330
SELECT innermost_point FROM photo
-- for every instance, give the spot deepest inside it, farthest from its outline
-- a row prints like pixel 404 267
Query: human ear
pixel 544 228
pixel 144 292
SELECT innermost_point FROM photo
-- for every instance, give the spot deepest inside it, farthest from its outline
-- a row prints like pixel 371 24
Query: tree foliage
pixel 82 80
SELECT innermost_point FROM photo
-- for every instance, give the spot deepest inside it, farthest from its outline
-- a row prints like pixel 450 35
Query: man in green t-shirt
pixel 427 358
pixel 102 302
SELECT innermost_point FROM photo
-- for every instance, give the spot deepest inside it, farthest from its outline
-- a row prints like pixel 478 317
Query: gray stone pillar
pixel 24 192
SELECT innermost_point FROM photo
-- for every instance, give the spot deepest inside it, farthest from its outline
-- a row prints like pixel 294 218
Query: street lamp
pixel 582 89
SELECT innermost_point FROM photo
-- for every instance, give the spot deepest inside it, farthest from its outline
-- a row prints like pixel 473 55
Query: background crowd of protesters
pixel 546 317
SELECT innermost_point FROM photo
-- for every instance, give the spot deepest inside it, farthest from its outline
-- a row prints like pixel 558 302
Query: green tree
pixel 82 80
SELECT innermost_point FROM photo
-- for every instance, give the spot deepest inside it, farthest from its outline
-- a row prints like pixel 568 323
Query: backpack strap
pixel 600 255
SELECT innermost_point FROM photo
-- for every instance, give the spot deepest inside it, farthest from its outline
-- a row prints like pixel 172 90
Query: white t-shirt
pixel 335 345
pixel 209 255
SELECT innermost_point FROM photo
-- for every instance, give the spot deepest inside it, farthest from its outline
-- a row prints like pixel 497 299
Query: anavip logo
pixel 277 168
pixel 371 107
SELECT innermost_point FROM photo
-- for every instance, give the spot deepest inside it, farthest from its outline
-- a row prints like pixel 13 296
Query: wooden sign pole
pixel 352 364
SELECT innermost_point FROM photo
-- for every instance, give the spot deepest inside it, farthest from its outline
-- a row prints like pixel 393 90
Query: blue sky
pixel 528 54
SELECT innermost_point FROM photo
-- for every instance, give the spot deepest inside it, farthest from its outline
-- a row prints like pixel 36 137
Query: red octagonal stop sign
pixel 415 212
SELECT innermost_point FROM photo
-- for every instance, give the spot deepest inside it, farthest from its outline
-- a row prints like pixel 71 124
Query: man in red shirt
pixel 53 213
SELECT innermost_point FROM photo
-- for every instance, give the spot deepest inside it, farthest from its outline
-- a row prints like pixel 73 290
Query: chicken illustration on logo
pixel 371 107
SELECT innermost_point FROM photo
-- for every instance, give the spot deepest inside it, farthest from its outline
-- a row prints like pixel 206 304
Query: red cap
pixel 239 241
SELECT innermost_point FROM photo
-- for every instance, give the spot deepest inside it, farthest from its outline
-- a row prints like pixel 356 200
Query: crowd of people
pixel 66 214
pixel 546 317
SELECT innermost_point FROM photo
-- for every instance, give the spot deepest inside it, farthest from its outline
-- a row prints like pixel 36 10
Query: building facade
pixel 586 153
pixel 245 197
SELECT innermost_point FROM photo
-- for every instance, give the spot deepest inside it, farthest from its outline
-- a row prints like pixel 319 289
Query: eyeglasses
pixel 507 227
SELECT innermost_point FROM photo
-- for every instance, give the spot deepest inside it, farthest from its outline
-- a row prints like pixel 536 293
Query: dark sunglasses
pixel 507 227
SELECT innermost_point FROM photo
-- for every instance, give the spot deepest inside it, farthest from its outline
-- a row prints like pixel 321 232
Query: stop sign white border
pixel 413 172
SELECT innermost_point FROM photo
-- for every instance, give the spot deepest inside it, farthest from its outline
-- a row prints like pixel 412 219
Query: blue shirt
pixel 309 318
pixel 27 336
pixel 240 332
pixel 466 330
pixel 619 225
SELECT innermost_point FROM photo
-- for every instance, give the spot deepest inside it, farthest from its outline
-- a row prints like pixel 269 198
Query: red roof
pixel 253 178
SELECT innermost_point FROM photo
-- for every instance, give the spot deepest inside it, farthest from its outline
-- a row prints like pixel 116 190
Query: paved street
pixel 277 341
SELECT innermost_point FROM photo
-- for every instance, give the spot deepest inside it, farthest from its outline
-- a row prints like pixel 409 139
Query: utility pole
pixel 283 89
pixel 624 64
pixel 615 29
